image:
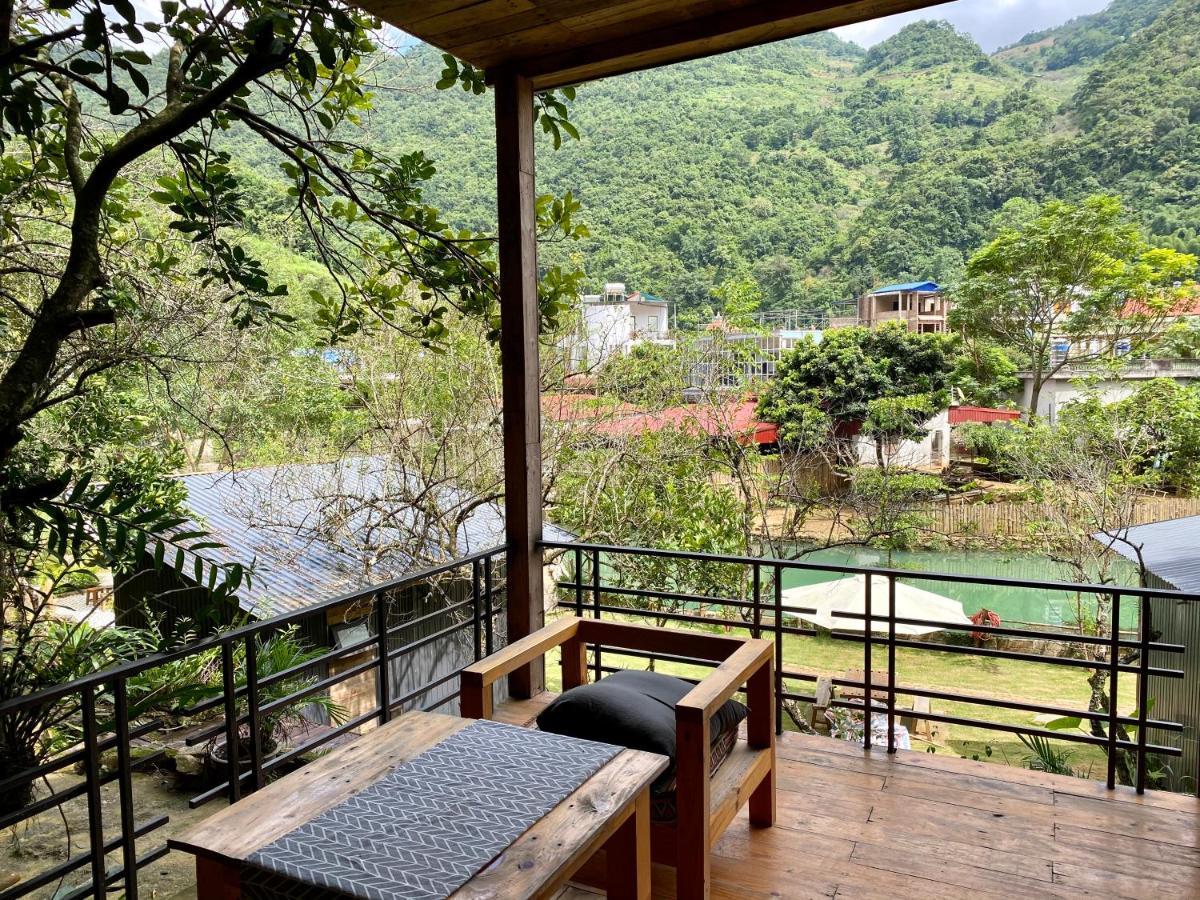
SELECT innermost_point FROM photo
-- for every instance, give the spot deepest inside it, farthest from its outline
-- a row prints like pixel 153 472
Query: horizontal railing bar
pixel 414 694
pixel 660 657
pixel 219 727
pixel 280 758
pixel 432 638
pixel 767 562
pixel 1065 712
pixel 47 876
pixel 136 666
pixel 670 616
pixel 115 874
pixel 69 759
pixel 77 790
pixel 1005 630
pixel 1003 654
pixel 331 655
pixel 985 725
pixel 647 593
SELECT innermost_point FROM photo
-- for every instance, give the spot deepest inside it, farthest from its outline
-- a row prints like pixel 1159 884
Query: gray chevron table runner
pixel 428 826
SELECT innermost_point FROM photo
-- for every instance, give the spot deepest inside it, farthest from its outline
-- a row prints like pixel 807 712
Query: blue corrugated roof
pixel 907 288
pixel 316 531
pixel 1168 549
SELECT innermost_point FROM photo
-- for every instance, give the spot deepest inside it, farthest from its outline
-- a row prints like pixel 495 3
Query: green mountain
pixel 821 170
pixel 1084 38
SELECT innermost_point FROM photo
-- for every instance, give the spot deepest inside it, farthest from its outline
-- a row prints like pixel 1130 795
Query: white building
pixel 616 322
pixel 930 452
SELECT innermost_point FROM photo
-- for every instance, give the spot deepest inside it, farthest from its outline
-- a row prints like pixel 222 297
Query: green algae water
pixel 1013 605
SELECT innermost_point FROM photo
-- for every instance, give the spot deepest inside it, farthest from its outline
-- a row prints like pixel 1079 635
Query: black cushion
pixel 632 709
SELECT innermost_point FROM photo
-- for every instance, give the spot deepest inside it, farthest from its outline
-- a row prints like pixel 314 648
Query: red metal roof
pixel 735 419
pixel 961 414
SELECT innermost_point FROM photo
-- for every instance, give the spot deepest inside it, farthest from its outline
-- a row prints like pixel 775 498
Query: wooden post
pixel 519 320
pixel 760 731
pixel 693 755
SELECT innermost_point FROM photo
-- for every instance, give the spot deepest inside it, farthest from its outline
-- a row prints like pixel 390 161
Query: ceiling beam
pixel 733 29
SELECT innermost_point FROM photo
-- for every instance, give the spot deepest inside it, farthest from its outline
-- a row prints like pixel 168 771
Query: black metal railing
pixel 585 592
pixel 471 615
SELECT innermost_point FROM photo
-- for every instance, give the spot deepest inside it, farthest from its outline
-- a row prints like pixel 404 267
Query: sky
pixel 992 23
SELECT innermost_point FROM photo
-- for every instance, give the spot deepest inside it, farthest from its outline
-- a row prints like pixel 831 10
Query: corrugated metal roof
pixel 961 414
pixel 907 287
pixel 315 531
pixel 1170 549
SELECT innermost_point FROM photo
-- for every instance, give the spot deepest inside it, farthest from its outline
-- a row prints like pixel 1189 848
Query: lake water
pixel 1013 605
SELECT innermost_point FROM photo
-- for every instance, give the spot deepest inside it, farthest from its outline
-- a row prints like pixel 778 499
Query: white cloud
pixel 993 23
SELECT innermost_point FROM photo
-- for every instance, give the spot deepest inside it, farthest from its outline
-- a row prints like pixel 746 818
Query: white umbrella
pixel 848 595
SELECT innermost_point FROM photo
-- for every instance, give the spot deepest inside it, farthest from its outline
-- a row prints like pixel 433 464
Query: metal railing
pixel 764 612
pixel 102 703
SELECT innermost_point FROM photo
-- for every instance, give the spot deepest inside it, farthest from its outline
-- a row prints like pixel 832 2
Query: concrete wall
pixel 932 450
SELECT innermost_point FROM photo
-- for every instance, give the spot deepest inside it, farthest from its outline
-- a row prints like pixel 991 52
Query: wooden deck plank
pixel 866 825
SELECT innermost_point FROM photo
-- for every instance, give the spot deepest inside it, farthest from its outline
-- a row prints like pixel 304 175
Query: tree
pixel 882 379
pixel 984 374
pixel 1076 273
pixel 1089 472
pixel 124 222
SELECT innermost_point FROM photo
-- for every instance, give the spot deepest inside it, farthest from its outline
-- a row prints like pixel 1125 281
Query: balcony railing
pixel 764 613
pixel 469 616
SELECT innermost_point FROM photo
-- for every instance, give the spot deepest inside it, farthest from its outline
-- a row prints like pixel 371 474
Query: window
pixel 652 323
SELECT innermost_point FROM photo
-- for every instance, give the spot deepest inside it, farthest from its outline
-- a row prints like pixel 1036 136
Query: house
pixel 1166 552
pixel 310 533
pixel 1071 382
pixel 727 357
pixel 929 452
pixel 920 305
pixel 614 322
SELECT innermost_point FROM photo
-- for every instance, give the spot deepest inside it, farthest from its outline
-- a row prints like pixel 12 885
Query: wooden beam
pixel 519 320
pixel 735 28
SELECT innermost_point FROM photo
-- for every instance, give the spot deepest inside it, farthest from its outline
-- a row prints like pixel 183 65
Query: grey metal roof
pixel 1170 549
pixel 315 531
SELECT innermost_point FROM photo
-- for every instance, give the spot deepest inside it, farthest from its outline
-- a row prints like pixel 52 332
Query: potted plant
pixel 280 652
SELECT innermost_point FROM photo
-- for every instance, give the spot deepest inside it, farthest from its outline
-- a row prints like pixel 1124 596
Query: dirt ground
pixel 47 839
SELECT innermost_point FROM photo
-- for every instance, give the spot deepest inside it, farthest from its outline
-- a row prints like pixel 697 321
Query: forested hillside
pixel 819 169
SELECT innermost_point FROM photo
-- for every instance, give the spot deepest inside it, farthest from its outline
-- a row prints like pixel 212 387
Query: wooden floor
pixel 855 824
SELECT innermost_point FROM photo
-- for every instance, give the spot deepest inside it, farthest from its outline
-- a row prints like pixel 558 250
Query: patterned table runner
pixel 428 826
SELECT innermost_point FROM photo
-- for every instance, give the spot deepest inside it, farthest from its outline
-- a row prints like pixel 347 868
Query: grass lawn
pixel 1002 679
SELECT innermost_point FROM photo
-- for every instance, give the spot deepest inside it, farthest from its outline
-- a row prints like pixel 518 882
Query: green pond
pixel 1013 605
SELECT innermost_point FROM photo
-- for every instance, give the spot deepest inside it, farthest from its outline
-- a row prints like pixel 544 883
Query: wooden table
pixel 611 811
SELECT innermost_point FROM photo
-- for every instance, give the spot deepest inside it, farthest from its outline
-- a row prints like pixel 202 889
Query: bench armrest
pixel 475 699
pixel 725 680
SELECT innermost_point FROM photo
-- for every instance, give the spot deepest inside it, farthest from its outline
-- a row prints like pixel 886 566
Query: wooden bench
pixel 705 806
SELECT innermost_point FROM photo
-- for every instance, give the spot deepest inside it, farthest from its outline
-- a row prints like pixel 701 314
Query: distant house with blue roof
pixel 920 305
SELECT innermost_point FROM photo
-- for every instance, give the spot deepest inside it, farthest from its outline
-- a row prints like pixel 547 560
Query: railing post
pixel 578 582
pixel 867 704
pixel 231 722
pixel 891 689
pixel 383 675
pixel 489 624
pixel 596 608
pixel 91 768
pixel 477 610
pixel 1143 690
pixel 778 649
pixel 1114 670
pixel 756 631
pixel 252 718
pixel 125 786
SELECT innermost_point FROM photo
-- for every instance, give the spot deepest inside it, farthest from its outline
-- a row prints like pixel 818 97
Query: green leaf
pixel 1066 723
